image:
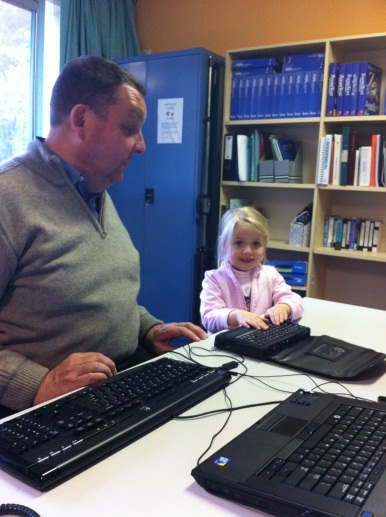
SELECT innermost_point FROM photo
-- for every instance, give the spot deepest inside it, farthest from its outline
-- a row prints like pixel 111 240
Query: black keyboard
pixel 261 344
pixel 340 460
pixel 49 444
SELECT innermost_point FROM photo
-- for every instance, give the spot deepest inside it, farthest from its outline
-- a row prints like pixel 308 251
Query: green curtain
pixel 97 27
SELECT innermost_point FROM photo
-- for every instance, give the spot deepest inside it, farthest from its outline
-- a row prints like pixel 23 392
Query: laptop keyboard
pixel 53 442
pixel 340 459
pixel 274 334
pixel 262 344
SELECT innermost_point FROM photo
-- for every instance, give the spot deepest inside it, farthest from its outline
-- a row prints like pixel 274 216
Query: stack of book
pixel 265 88
pixel 341 161
pixel 351 234
pixel 353 89
pixel 260 157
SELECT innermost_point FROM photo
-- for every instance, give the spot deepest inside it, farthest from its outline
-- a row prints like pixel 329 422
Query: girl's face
pixel 247 247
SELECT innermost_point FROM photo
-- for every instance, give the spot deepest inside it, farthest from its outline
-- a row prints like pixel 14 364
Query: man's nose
pixel 140 146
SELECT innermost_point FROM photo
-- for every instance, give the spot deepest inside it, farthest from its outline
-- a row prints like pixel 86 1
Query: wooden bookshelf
pixel 345 276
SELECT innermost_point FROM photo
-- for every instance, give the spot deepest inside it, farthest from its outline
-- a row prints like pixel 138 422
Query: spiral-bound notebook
pixel 292 345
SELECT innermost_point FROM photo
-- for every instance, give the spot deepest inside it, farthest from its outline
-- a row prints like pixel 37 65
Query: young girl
pixel 243 291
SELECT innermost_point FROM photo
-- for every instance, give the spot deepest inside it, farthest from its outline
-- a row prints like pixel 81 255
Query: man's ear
pixel 78 118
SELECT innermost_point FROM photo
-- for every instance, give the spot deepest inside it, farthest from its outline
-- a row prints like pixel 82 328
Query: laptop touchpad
pixel 288 425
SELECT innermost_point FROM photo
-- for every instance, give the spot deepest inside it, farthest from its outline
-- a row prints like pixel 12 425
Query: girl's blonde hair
pixel 245 214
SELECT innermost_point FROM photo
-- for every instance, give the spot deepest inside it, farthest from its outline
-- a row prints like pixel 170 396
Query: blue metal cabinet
pixel 159 200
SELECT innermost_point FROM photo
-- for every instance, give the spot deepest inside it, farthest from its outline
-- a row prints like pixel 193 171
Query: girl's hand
pixel 247 319
pixel 279 313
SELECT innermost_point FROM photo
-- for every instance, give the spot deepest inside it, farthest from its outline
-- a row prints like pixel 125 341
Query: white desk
pixel 151 477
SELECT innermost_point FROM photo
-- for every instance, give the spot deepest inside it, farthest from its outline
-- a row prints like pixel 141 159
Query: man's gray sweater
pixel 67 283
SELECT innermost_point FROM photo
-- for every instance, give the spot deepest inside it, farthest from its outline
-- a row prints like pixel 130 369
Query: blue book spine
pixel 283 96
pixel 254 97
pixel 259 62
pixel 247 96
pixel 316 93
pixel 331 89
pixel 305 65
pixel 234 97
pixel 261 95
pixel 354 89
pixel 340 90
pixel 290 95
pixel 347 89
pixel 306 93
pixel 369 89
pixel 268 96
pixel 298 102
pixel 276 95
pixel 301 58
pixel 353 238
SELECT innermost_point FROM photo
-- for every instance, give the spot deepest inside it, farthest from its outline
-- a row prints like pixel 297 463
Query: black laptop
pixel 314 455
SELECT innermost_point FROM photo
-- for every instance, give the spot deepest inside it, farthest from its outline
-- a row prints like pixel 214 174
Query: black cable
pixel 17 509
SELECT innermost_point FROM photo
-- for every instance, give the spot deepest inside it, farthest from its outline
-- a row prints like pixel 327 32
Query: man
pixel 69 274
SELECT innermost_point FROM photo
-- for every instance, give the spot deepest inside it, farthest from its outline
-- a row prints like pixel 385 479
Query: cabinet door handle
pixel 149 197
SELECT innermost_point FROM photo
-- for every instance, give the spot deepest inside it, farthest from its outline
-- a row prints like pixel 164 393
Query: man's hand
pixel 158 337
pixel 78 370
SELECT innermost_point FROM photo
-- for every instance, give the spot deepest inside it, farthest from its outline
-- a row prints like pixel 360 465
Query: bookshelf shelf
pixel 282 245
pixel 354 255
pixel 346 276
pixel 252 184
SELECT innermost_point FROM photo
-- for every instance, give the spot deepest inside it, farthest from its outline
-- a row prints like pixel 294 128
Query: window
pixel 22 58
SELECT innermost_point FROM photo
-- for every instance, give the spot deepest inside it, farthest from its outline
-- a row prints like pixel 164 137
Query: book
pixel 366 235
pixel 344 155
pixel 375 145
pixel 316 87
pixel 290 93
pixel 234 98
pixel 340 90
pixel 331 89
pixel 268 96
pixel 275 95
pixel 353 236
pixel 376 236
pixel 382 163
pixel 324 158
pixel 361 235
pixel 306 93
pixel 298 97
pixel 256 155
pixel 282 95
pixel 353 146
pixel 369 86
pixel 242 157
pixel 364 166
pixel 305 65
pixel 261 96
pixel 346 233
pixel 287 148
pixel 354 89
pixel 257 62
pixel 321 160
pixel 254 97
pixel 371 236
pixel 337 159
pixel 338 233
pixel 313 57
pixel 347 89
pixel 356 167
pixel 229 157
